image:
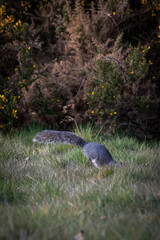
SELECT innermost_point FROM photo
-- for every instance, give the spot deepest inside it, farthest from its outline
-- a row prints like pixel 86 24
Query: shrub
pixel 105 93
pixel 17 70
pixel 89 61
pixel 117 81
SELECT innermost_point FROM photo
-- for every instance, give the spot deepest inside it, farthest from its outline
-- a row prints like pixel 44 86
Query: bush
pixel 17 70
pixel 94 61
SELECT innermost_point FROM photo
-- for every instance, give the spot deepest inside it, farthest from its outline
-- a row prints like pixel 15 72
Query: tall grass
pixel 52 192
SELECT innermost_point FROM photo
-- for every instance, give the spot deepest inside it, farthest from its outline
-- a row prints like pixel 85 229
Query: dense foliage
pixel 66 62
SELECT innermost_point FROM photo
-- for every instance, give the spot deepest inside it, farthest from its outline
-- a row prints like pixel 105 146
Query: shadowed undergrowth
pixel 52 192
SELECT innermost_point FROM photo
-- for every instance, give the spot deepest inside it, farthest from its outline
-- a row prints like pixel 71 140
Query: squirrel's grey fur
pixel 96 153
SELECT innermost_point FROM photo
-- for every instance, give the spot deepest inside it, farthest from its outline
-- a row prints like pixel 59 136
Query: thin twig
pixel 80 86
pixel 32 178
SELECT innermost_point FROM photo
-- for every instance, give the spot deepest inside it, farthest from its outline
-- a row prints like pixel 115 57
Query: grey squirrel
pixel 96 153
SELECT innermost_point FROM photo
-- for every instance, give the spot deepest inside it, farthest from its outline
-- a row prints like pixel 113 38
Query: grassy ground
pixel 52 192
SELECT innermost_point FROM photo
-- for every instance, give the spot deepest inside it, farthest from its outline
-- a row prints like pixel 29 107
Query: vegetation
pixel 52 192
pixel 66 62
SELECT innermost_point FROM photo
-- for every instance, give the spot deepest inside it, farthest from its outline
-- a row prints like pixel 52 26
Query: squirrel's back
pixel 96 153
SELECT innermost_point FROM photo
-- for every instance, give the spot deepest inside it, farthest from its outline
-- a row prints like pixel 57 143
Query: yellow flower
pixel 83 2
pixel 92 111
pixel 153 77
pixel 111 114
pixel 131 72
pixel 92 93
pixel 159 36
pixel 102 86
pixel 149 47
pixel 114 13
pixel 34 66
pixel 9 78
pixel 29 48
pixel 14 111
pixel 143 51
pixel 19 97
pixel 159 26
pixel 2 97
pixel 58 100
pixel 115 113
pixel 16 69
pixel 114 96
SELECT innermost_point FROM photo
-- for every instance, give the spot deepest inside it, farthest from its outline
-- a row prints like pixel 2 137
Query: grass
pixel 52 192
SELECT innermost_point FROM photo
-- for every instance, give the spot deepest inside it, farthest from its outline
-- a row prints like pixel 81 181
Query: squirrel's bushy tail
pixel 50 136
